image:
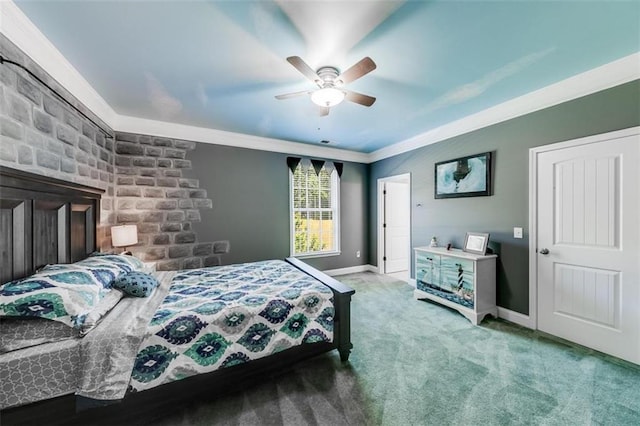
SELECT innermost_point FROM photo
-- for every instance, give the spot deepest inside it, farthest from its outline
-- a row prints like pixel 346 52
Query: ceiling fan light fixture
pixel 327 97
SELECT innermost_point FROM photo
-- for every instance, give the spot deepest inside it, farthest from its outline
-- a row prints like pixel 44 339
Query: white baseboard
pixel 515 317
pixel 351 270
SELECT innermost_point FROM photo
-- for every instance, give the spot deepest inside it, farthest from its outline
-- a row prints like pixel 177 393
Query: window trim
pixel 335 198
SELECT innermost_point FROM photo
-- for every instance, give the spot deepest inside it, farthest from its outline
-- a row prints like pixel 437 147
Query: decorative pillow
pixel 136 284
pixel 104 272
pixel 67 293
pixel 64 293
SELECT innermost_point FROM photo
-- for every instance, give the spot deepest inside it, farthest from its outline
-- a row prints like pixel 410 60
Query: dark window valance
pixel 294 162
pixel 317 165
pixel 338 167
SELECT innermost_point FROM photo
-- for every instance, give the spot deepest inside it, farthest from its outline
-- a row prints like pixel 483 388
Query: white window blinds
pixel 315 227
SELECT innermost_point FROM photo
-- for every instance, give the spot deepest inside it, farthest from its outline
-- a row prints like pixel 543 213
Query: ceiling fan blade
pixel 305 69
pixel 292 95
pixel 324 111
pixel 365 66
pixel 359 98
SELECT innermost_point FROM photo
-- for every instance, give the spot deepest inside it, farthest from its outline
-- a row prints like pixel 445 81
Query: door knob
pixel 544 251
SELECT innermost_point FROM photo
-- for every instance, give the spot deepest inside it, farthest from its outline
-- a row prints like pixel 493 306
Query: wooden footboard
pixel 341 302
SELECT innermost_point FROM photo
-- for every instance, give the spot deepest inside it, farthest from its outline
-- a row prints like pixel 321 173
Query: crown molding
pixel 18 28
pixel 604 77
pixel 220 137
pixel 26 36
pixel 15 25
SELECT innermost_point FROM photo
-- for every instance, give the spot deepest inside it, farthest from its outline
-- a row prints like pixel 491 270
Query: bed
pixel 200 330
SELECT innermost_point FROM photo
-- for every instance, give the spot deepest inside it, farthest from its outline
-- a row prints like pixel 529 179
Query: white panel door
pixel 588 250
pixel 397 217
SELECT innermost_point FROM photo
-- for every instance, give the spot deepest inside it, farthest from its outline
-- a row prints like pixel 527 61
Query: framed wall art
pixel 464 177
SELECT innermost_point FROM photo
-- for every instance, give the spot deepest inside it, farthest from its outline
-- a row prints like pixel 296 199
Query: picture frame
pixel 476 242
pixel 468 176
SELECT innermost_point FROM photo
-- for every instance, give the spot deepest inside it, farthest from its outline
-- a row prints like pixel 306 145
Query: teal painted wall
pixel 250 194
pixel 449 219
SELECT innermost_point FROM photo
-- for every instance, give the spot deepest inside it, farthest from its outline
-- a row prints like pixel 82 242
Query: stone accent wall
pixel 141 175
pixel 152 193
pixel 40 133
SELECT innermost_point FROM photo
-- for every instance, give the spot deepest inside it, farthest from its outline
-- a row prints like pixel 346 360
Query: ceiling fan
pixel 330 84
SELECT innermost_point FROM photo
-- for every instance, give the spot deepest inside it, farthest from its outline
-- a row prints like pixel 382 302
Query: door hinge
pixel 384 192
pixel 384 225
pixel 384 258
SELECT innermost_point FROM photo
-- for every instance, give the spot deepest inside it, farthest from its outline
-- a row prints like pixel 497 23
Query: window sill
pixel 312 255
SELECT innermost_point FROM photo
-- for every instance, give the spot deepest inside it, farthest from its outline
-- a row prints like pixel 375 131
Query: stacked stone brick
pixel 142 176
pixel 41 134
pixel 152 193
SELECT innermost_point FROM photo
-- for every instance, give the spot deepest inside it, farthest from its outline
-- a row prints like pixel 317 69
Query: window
pixel 315 228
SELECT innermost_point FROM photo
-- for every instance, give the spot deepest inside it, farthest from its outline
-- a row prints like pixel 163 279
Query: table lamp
pixel 124 236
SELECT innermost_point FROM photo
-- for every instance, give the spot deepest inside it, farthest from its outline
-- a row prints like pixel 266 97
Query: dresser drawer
pixel 457 275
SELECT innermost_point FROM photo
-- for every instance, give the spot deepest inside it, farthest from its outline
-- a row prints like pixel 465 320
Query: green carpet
pixel 418 363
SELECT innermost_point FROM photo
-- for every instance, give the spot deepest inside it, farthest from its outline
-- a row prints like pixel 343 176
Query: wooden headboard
pixel 44 220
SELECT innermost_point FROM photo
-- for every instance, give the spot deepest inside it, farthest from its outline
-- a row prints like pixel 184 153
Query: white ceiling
pixel 217 65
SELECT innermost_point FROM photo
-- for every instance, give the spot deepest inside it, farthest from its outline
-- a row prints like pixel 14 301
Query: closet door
pixel 588 251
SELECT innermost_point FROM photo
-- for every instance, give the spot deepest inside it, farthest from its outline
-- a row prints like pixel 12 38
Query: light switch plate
pixel 517 232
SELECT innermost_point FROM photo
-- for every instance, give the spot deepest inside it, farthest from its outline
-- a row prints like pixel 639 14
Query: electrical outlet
pixel 517 232
pixel 358 253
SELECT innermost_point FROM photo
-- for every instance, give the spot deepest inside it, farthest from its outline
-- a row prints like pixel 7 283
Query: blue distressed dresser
pixel 463 281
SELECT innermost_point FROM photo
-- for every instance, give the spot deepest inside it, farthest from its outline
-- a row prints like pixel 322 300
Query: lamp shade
pixel 124 235
pixel 327 97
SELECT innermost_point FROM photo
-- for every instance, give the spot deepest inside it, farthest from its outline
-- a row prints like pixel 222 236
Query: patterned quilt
pixel 218 317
